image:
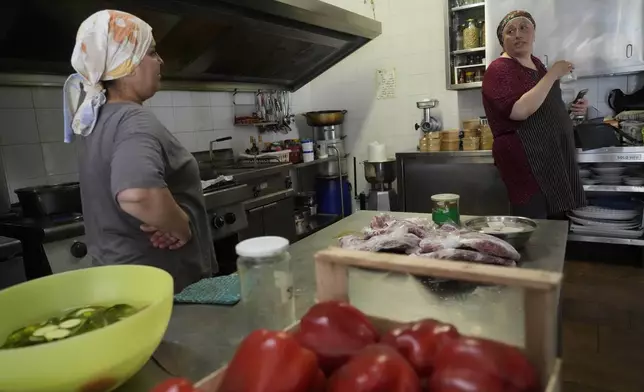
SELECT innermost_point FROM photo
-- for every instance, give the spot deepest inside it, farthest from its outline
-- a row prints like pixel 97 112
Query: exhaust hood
pixel 205 44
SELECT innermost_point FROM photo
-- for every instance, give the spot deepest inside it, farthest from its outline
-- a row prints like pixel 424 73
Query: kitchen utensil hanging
pixel 271 111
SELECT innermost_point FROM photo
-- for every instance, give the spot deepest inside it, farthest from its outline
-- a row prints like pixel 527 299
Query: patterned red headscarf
pixel 508 18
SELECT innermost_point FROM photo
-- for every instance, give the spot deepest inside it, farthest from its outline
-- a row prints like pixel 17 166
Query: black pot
pixel 46 200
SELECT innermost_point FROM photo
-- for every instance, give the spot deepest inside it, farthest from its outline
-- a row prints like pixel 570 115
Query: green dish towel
pixel 221 290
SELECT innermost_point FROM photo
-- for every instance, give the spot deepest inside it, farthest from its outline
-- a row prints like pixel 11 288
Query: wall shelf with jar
pixel 465 22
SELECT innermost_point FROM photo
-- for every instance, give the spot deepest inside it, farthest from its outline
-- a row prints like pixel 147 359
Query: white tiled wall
pixel 31 129
pixel 33 152
pixel 470 105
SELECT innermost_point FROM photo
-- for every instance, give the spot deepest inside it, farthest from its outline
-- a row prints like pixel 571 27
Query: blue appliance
pixel 328 194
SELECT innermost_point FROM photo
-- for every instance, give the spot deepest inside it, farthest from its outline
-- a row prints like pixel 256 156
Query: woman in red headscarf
pixel 534 147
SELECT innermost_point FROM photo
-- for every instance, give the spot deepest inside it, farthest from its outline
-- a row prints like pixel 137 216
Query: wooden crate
pixel 541 290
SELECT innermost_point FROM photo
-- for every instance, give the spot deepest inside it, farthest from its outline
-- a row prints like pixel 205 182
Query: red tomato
pixel 485 364
pixel 269 361
pixel 377 368
pixel 175 385
pixel 419 342
pixel 335 331
pixel 100 385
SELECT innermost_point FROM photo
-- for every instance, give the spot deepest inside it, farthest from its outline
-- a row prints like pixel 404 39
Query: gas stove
pixel 225 209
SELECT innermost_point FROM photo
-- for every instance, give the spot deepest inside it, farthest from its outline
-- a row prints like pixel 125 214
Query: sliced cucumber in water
pixel 73 323
pixel 42 331
pixel 57 334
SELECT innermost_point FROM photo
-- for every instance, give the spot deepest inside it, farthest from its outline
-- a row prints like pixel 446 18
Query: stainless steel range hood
pixel 206 44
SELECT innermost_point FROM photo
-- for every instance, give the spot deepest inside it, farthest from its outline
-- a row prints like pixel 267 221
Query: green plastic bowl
pixel 99 360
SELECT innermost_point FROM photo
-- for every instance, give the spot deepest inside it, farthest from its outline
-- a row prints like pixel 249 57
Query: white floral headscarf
pixel 109 45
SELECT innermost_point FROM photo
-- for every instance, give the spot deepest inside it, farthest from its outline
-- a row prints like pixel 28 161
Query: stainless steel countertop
pixel 203 338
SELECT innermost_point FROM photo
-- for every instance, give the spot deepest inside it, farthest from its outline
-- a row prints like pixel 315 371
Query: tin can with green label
pixel 445 208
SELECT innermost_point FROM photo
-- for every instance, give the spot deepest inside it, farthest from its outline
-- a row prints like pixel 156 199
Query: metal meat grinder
pixel 382 196
pixel 428 123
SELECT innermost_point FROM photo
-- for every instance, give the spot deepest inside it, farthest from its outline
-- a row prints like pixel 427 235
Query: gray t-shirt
pixel 130 148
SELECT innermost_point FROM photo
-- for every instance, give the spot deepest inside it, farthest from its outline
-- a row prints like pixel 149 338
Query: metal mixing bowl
pixel 516 239
pixel 380 172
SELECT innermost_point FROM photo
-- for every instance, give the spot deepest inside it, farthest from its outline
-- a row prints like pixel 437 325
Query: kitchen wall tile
pixel 187 140
pixel 47 97
pixel 221 99
pixel 202 140
pixel 60 158
pixel 222 117
pixel 604 110
pixel 592 84
pixel 166 116
pixel 221 133
pixel 200 98
pixel 635 82
pixel 161 99
pixel 24 161
pixel 15 97
pixel 181 98
pixel 50 125
pixel 245 99
pixel 62 178
pixel 23 183
pixel 241 138
pixel 18 126
pixel 192 119
pixel 190 98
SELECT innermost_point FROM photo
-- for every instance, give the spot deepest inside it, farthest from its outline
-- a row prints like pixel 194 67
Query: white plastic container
pixel 308 156
pixel 377 152
pixel 307 146
pixel 264 267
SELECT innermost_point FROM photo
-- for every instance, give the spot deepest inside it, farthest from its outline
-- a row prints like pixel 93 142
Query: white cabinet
pixel 600 37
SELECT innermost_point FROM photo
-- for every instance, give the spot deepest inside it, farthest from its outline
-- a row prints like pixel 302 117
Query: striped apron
pixel 548 141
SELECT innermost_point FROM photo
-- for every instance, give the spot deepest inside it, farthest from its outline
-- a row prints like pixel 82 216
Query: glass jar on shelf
pixel 471 35
pixel 459 38
pixel 482 33
pixel 469 77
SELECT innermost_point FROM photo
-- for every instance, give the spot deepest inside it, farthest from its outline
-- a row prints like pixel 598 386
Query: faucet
pixel 211 149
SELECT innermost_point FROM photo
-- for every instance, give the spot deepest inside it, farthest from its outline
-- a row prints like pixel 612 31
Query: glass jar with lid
pixel 266 279
pixel 471 35
pixel 459 38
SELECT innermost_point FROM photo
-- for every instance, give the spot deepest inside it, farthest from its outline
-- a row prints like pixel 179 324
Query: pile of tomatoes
pixel 337 349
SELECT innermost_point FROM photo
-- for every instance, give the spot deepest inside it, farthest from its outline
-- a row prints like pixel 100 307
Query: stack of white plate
pixel 609 174
pixel 634 181
pixel 606 222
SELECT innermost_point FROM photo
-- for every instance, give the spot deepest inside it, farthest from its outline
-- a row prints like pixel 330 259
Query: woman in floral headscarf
pixel 534 147
pixel 141 190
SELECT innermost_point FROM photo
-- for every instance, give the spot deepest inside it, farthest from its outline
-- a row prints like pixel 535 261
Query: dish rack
pixel 268 157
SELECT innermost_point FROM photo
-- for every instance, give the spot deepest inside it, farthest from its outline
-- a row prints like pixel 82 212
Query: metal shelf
pixel 469 66
pixel 614 188
pixel 605 240
pixel 468 7
pixel 257 124
pixel 612 155
pixel 466 86
pixel 314 162
pixel 466 51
